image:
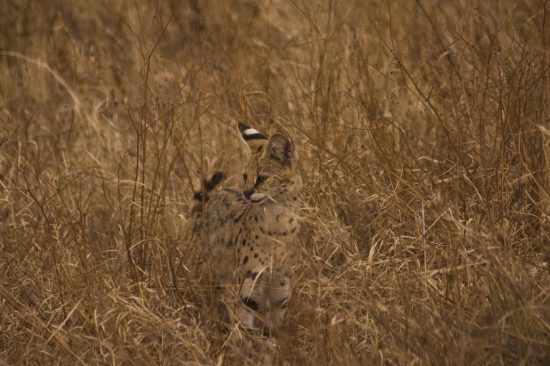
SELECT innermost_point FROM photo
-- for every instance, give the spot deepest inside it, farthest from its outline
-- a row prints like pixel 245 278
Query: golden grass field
pixel 423 135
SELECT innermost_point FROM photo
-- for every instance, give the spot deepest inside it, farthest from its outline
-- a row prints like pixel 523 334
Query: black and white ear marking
pixel 248 133
pixel 213 180
pixel 208 184
pixel 280 148
pixel 252 137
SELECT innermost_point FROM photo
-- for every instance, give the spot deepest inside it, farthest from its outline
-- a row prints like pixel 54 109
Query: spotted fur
pixel 251 233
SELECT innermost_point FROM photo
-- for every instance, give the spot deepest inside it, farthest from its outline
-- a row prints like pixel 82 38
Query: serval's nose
pixel 248 193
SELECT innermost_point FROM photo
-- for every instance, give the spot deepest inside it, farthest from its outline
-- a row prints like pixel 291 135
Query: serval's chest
pixel 246 236
pixel 267 237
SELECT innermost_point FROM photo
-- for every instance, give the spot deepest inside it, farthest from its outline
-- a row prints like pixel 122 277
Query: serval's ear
pixel 280 148
pixel 253 138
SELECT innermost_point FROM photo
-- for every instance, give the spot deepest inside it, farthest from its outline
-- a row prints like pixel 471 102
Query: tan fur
pixel 251 234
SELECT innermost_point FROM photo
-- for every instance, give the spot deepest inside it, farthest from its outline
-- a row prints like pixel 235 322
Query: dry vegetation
pixel 424 140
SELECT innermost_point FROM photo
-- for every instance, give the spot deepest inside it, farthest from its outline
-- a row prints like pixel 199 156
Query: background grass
pixel 424 141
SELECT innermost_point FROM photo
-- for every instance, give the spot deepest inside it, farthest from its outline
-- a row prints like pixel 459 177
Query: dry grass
pixel 424 140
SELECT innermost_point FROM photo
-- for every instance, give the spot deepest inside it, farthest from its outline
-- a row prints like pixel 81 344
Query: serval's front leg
pixel 252 304
pixel 278 297
pixel 254 309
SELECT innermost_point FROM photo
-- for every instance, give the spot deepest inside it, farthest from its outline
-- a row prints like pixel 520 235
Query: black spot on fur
pixel 251 304
pixel 245 259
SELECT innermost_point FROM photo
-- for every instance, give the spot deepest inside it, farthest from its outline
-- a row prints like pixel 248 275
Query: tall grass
pixel 423 135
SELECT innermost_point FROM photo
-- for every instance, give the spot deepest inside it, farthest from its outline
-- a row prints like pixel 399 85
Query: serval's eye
pixel 245 177
pixel 259 180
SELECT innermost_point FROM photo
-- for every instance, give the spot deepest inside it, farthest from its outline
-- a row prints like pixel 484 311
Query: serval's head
pixel 271 169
